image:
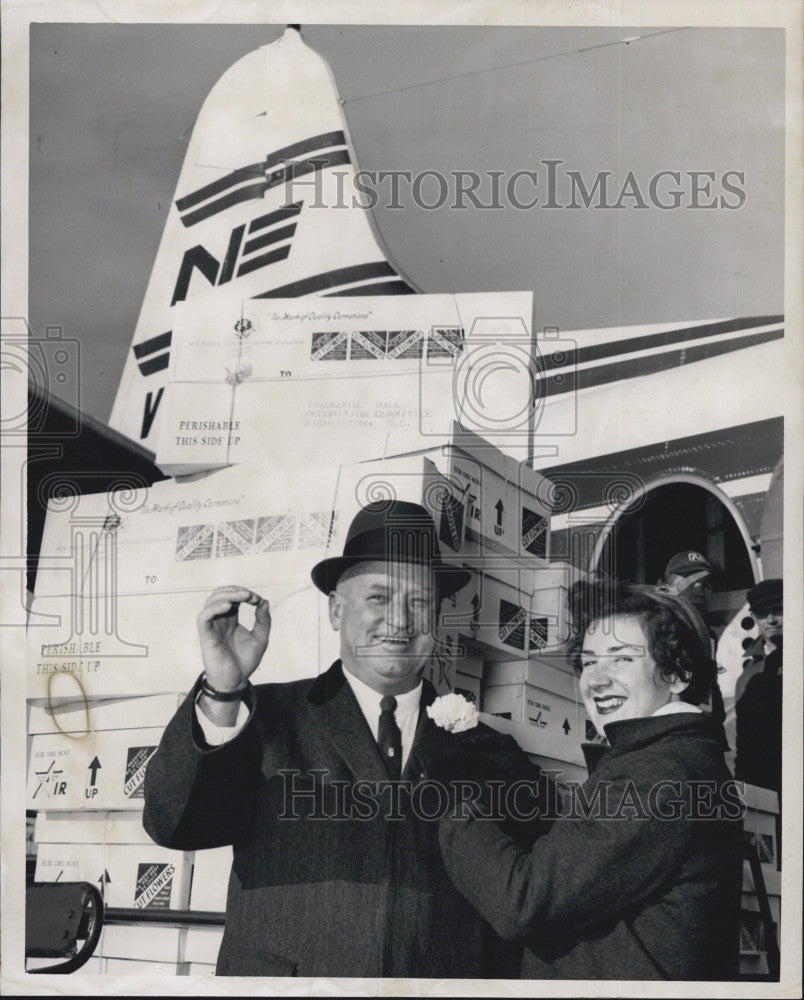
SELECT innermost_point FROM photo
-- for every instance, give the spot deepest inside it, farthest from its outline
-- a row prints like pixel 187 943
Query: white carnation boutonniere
pixel 454 713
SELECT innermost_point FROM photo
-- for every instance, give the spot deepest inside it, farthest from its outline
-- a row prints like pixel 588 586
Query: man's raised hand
pixel 231 653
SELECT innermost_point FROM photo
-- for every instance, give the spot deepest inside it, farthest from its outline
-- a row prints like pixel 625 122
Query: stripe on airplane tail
pixel 156 364
pixel 294 170
pixel 280 215
pixel 650 364
pixel 612 348
pixel 250 193
pixel 330 279
pixel 380 288
pixel 153 344
pixel 153 355
pixel 323 141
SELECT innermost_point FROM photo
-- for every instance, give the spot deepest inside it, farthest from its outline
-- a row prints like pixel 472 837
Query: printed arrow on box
pixel 94 767
pixel 103 880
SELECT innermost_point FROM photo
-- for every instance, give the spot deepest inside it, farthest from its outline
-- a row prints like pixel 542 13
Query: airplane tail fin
pixel 264 208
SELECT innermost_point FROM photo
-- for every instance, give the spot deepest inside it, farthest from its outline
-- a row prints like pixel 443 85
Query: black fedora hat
pixel 391 531
pixel 767 595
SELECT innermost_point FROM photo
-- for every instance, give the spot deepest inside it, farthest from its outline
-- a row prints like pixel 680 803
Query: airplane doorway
pixel 669 518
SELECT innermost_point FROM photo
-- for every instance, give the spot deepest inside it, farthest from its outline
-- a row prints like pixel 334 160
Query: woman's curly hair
pixel 676 635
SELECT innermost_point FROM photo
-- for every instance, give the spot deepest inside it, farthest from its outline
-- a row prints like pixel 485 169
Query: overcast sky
pixel 112 108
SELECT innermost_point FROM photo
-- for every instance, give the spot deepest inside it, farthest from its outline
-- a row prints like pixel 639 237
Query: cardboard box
pixel 507 502
pixel 753 942
pixel 413 478
pixel 136 659
pixel 509 509
pixel 147 877
pixel 85 716
pixel 157 944
pixel 252 523
pixel 760 825
pixel 73 863
pixel 111 639
pixel 771 876
pixel 131 876
pixel 751 964
pixel 561 721
pixel 93 966
pixel 468 686
pixel 102 771
pixel 202 944
pixel 134 967
pixel 761 800
pixel 90 828
pixel 750 902
pixel 539 746
pixel 200 970
pixel 548 606
pixel 211 879
pixel 493 613
pixel 470 663
pixel 328 383
pixel 541 671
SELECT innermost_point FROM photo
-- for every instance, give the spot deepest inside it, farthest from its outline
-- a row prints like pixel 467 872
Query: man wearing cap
pixel 758 695
pixel 689 574
pixel 337 869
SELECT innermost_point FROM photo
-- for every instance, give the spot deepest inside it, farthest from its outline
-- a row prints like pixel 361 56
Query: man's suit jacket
pixel 329 878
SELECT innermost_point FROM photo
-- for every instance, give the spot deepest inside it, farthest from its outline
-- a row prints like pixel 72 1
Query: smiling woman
pixel 624 886
pixel 638 651
pixel 619 678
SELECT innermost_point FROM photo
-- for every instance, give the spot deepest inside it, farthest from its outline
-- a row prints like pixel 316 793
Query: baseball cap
pixel 686 563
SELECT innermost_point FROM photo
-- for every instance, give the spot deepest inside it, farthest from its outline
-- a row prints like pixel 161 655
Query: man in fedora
pixel 337 869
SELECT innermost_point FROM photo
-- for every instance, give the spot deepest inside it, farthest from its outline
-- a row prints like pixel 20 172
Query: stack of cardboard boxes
pixel 112 633
pixel 761 830
pixel 87 763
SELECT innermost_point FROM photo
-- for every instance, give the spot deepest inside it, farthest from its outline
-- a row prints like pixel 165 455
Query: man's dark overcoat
pixel 328 878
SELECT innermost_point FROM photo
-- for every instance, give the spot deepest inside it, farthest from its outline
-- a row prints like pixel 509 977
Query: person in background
pixel 640 877
pixel 689 574
pixel 758 695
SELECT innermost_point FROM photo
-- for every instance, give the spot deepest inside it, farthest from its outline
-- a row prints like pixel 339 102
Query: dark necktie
pixel 389 738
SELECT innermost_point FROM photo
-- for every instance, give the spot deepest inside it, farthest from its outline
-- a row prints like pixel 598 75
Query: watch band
pixel 216 695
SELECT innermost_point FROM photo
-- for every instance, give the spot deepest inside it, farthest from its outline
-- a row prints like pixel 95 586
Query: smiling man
pixel 336 872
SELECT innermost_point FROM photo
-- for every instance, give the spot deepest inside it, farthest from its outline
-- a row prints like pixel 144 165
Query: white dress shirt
pixel 406 715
